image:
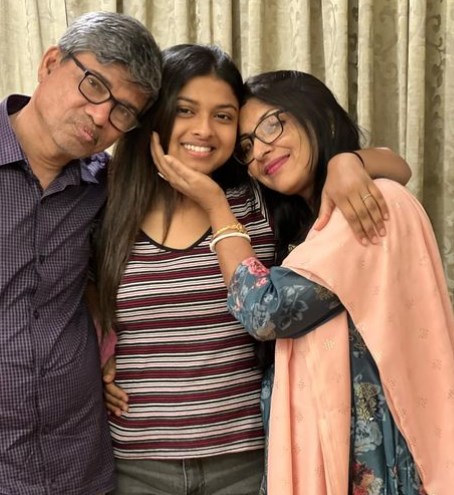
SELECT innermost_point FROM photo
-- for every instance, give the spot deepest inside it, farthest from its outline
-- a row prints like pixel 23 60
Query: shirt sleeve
pixel 277 302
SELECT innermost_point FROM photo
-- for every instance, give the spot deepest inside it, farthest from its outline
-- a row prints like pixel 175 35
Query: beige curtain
pixel 390 62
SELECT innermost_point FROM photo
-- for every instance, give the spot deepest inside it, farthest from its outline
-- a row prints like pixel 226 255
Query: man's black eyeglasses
pixel 95 91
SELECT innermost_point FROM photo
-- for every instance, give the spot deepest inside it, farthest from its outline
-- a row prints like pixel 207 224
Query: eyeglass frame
pixel 252 136
pixel 89 73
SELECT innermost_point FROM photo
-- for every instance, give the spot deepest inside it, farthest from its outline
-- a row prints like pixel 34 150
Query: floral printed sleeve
pixel 278 303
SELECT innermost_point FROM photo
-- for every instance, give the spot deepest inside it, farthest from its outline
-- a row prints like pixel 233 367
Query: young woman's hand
pixel 349 187
pixel 115 397
pixel 195 185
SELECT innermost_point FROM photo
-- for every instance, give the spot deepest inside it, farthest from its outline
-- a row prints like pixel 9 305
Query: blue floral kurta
pixel 279 303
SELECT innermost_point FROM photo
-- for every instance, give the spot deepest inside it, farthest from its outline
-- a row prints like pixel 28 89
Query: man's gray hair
pixel 117 38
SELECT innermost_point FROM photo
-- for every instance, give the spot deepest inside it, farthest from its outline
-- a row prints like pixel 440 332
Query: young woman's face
pixel 284 165
pixel 205 127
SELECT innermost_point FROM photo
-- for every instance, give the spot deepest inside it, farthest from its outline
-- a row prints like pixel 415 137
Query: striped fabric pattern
pixel 186 363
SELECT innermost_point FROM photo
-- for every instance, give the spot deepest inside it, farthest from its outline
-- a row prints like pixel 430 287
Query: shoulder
pixel 242 191
pixel 247 206
pixel 391 188
pixel 248 193
pixel 399 199
pixel 247 201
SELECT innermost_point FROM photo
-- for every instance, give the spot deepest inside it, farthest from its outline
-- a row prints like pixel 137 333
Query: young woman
pixel 363 399
pixel 193 424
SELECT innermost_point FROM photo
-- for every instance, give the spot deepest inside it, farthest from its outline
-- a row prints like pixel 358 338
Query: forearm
pixel 349 186
pixel 278 303
pixel 230 251
pixel 383 162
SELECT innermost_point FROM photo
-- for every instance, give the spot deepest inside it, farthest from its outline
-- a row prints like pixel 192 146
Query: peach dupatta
pixel 395 293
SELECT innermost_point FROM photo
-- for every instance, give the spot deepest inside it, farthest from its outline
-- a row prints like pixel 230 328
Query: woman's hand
pixel 349 187
pixel 115 397
pixel 195 185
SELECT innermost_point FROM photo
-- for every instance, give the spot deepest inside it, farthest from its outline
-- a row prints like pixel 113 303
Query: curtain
pixel 389 62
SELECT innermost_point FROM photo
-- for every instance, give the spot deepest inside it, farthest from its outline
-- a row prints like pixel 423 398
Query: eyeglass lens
pixel 267 131
pixel 96 91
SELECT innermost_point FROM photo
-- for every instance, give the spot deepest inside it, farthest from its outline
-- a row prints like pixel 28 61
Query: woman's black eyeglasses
pixel 267 131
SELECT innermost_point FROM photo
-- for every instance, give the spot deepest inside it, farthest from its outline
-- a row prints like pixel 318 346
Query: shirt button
pixel 36 314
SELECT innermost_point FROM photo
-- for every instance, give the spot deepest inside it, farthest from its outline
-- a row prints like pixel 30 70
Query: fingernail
pixel 364 241
pixel 374 239
pixel 382 232
pixel 386 216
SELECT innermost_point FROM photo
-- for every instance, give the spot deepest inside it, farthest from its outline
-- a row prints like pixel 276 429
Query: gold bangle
pixel 237 227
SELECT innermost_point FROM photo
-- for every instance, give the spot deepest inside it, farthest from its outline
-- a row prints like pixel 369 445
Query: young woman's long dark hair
pixel 134 185
pixel 330 131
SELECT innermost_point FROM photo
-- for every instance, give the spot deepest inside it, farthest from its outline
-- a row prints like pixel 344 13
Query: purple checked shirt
pixel 54 437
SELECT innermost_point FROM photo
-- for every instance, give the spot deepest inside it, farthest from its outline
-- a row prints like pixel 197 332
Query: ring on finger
pixel 366 196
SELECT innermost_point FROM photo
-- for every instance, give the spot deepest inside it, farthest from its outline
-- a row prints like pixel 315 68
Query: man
pixel 93 87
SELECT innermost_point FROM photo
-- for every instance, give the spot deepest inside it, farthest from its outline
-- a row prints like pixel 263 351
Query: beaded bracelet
pixel 226 236
pixel 238 227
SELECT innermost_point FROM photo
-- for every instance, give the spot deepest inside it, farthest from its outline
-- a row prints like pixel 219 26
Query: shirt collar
pixel 10 150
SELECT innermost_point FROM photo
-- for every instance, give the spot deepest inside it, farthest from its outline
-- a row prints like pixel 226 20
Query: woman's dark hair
pixel 330 131
pixel 133 183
